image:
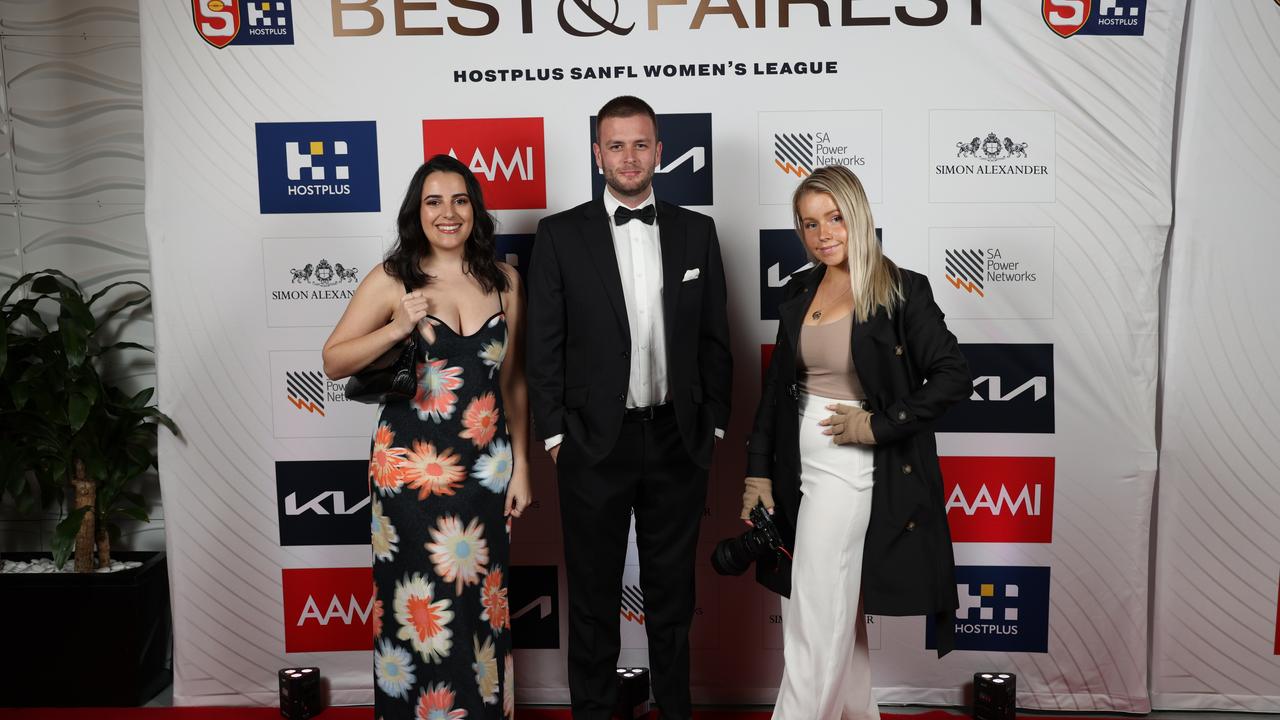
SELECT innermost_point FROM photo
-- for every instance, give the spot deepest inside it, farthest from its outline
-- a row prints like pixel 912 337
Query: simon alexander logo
pixel 328 609
pixel 1002 609
pixel 999 499
pixel 323 502
pixel 1012 390
pixel 237 22
pixel 684 176
pixel 318 167
pixel 1095 17
pixel 508 156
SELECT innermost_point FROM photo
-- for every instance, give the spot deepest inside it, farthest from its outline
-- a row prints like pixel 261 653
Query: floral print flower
pixel 393 669
pixel 384 534
pixel 436 703
pixel 508 687
pixel 435 398
pixel 378 611
pixel 486 667
pixel 424 621
pixel 480 420
pixel 493 353
pixel 430 472
pixel 459 555
pixel 384 462
pixel 493 597
pixel 494 468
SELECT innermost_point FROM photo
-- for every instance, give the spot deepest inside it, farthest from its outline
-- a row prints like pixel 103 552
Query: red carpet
pixel 365 713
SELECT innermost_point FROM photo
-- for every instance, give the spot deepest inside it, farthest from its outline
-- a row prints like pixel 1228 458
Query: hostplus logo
pixel 507 155
pixel 318 167
pixel 1002 609
pixel 999 499
pixel 684 177
pixel 1095 17
pixel 237 22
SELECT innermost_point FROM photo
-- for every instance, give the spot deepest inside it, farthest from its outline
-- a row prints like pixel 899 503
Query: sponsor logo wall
pixel 986 181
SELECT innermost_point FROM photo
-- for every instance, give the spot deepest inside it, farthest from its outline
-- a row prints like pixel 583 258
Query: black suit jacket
pixel 579 341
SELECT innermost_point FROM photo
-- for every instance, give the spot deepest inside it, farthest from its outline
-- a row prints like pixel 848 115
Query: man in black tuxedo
pixel 629 379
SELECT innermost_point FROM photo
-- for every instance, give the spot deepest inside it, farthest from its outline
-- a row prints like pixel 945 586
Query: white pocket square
pixel 691 274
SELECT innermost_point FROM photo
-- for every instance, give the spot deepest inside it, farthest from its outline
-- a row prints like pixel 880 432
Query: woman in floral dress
pixel 449 467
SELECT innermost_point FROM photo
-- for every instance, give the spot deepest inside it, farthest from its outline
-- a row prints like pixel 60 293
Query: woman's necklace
pixel 817 314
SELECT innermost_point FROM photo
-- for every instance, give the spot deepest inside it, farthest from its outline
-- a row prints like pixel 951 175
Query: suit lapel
pixel 599 242
pixel 671 238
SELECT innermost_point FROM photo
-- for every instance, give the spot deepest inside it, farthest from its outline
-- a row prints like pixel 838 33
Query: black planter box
pixel 85 639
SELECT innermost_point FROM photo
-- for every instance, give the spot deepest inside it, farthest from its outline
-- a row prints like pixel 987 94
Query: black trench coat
pixel 907 566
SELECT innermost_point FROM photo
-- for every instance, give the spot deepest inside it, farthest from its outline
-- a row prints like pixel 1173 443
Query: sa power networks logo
pixel 782 255
pixel 684 177
pixel 1012 390
pixel 237 22
pixel 507 155
pixel 1095 17
pixel 323 502
pixel 992 156
pixel 318 167
pixel 305 403
pixel 993 272
pixel 1002 609
pixel 328 609
pixel 793 144
pixel 999 499
pixel 309 280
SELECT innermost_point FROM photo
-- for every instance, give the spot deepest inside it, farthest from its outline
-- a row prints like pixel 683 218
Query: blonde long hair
pixel 875 279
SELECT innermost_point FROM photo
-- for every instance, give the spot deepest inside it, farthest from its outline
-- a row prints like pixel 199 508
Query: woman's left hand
pixel 519 494
pixel 848 424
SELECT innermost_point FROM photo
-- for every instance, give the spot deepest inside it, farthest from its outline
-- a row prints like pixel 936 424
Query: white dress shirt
pixel 639 254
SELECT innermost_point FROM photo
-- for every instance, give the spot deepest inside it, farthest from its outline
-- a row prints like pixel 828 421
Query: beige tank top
pixel 826 363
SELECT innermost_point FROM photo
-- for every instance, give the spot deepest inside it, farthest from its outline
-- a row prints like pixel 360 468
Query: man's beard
pixel 640 185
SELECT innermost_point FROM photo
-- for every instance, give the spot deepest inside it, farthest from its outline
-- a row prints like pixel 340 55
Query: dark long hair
pixel 479 253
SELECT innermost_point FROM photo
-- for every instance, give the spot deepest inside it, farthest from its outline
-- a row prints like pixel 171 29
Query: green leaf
pixel 64 535
pixel 136 513
pixel 121 345
pixel 78 407
pixel 26 503
pixel 75 339
pixel 45 284
pixel 98 295
pixel 4 343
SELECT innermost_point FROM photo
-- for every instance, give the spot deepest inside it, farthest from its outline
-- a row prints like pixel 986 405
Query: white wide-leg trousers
pixel 828 668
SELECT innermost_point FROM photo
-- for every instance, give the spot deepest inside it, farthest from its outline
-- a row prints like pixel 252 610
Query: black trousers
pixel 650 472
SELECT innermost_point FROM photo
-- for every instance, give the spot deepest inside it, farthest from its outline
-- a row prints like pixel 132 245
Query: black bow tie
pixel 624 215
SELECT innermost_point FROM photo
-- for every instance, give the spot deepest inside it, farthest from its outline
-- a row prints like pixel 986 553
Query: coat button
pixel 622 397
pixel 626 353
pixel 911 525
pixel 906 469
pixel 902 414
pixel 897 349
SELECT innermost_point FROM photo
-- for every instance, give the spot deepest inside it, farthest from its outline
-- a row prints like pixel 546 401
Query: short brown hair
pixel 626 106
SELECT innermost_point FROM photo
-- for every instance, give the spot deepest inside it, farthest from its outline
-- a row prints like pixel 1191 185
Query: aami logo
pixel 1012 390
pixel 305 390
pixel 1095 17
pixel 632 604
pixel 237 22
pixel 507 155
pixel 323 502
pixel 1002 609
pixel 327 609
pixel 999 499
pixel 782 254
pixel 535 607
pixel 684 177
pixel 318 167
pixel 515 250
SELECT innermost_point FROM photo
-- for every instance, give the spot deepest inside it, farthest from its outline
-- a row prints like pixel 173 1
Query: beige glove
pixel 849 424
pixel 757 489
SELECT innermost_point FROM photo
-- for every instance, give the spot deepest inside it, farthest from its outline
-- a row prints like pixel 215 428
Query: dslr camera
pixel 732 556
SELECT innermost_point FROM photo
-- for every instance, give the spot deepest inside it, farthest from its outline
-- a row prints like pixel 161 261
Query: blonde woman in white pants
pixel 842 452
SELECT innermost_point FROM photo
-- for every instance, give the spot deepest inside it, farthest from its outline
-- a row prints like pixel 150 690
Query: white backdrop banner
pixel 1017 152
pixel 1217 590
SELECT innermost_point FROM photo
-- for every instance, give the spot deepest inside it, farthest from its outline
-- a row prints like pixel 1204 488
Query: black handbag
pixel 394 374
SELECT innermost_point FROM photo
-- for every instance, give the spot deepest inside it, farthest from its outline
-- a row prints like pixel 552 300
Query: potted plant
pixel 72 441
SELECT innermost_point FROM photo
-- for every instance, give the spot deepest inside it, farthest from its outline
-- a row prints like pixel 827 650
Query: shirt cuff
pixel 552 441
pixel 720 433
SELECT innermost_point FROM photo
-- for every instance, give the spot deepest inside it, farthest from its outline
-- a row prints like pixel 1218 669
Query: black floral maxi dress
pixel 438 477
